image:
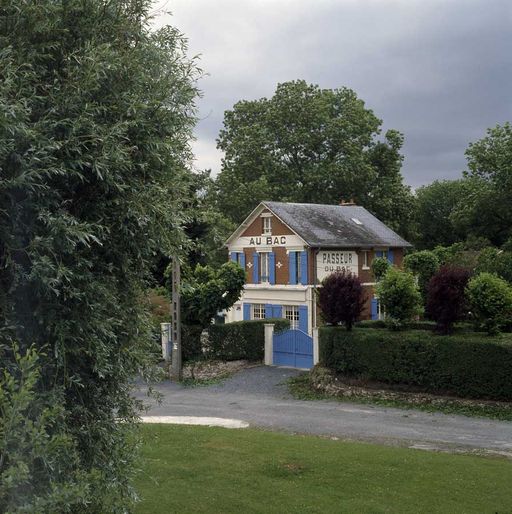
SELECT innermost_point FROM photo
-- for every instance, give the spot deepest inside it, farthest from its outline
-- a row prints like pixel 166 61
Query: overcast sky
pixel 438 71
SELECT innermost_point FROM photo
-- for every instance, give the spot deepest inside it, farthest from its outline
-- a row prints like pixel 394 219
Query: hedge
pixel 467 365
pixel 241 339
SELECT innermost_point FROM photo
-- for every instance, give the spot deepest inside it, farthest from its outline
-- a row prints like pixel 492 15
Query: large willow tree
pixel 96 111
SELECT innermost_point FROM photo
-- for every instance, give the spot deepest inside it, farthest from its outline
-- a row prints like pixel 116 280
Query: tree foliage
pixel 490 300
pixel 341 299
pixel 423 265
pixel 206 291
pixel 486 209
pixel 96 112
pixel 446 297
pixel 379 267
pixel 435 205
pixel 307 144
pixel 399 295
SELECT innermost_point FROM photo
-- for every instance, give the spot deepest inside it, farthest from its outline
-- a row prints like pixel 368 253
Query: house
pixel 287 249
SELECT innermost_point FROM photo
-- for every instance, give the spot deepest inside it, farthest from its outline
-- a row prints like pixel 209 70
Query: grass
pixel 301 389
pixel 214 470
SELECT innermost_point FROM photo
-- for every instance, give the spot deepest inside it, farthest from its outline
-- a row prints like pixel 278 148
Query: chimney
pixel 350 202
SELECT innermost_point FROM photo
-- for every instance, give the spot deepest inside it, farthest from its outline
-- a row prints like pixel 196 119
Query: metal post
pixel 176 371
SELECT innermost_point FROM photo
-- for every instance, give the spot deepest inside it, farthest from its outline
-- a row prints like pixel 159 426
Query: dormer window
pixel 267 225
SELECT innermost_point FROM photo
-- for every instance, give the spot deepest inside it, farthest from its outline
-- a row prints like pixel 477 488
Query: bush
pixel 399 295
pixel 423 265
pixel 466 365
pixel 241 339
pixel 341 299
pixel 490 300
pixel 498 262
pixel 411 325
pixel 379 266
pixel 39 459
pixel 446 298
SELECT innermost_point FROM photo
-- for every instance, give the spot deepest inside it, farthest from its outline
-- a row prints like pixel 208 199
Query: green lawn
pixel 206 470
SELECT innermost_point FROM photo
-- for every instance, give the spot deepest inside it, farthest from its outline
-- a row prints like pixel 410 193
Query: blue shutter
pixel 247 311
pixel 233 256
pixel 378 254
pixel 292 264
pixel 255 268
pixel 272 267
pixel 277 311
pixel 242 260
pixel 268 310
pixel 304 268
pixel 391 257
pixel 303 318
pixel 373 309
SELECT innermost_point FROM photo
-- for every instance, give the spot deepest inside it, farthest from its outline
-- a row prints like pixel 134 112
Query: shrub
pixel 399 295
pixel 490 300
pixel 241 339
pixel 466 365
pixel 499 262
pixel 446 298
pixel 379 266
pixel 38 458
pixel 423 265
pixel 341 299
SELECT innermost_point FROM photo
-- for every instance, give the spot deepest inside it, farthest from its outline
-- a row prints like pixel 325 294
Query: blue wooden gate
pixel 293 348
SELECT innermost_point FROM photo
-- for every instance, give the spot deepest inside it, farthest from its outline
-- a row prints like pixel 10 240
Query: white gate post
pixel 269 344
pixel 316 349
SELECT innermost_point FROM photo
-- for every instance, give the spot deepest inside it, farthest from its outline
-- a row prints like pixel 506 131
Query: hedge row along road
pixel 259 396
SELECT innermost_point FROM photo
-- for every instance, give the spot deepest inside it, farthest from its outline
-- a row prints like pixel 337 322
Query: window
pixel 264 267
pixel 366 259
pixel 267 225
pixel 381 314
pixel 291 313
pixel 297 267
pixel 258 311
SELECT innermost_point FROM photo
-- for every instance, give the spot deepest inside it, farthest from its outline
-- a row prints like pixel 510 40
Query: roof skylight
pixel 356 221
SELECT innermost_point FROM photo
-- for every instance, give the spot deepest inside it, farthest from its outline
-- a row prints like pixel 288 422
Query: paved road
pixel 259 396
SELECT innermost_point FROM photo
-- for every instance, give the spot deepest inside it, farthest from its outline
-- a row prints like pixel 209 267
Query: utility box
pixel 165 331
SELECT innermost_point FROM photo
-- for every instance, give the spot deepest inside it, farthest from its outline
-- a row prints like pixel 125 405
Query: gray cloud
pixel 439 71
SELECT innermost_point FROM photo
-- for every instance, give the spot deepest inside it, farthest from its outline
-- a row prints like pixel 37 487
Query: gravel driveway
pixel 259 396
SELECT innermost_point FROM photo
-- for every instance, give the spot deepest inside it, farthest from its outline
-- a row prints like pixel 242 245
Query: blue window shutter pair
pixel 272 267
pixel 304 268
pixel 391 257
pixel 277 311
pixel 292 264
pixel 303 318
pixel 373 308
pixel 247 311
pixel 255 268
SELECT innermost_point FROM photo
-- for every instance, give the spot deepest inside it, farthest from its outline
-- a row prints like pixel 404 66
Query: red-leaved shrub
pixel 446 300
pixel 341 299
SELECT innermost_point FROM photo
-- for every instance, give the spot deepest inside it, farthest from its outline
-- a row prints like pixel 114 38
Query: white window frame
pixel 291 313
pixel 267 225
pixel 264 266
pixel 366 259
pixel 257 311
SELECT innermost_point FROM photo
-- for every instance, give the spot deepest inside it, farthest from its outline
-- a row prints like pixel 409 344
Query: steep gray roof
pixel 334 225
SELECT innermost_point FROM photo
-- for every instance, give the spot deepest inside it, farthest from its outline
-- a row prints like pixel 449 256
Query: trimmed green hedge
pixel 241 339
pixel 468 365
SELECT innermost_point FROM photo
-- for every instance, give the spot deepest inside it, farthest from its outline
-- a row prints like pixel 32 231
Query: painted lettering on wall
pixel 267 240
pixel 328 262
